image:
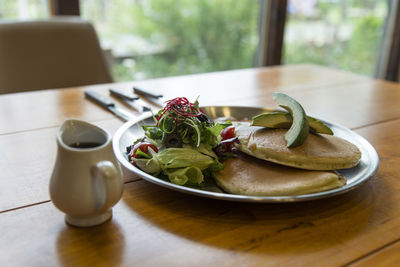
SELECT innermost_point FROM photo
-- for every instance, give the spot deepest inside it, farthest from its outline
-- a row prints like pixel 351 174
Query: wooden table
pixel 154 226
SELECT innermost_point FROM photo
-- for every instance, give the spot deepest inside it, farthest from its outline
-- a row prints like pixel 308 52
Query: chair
pixel 54 53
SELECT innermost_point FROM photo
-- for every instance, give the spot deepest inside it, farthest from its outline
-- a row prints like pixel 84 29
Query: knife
pixel 108 104
pixel 123 95
pixel 130 100
pixel 156 99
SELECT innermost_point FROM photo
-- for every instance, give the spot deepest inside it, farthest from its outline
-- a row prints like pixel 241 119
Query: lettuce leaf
pixel 203 149
pixel 151 166
pixel 192 175
pixel 183 157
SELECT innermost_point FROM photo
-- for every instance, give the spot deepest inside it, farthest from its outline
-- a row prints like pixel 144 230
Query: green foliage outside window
pixel 191 36
pixel 358 52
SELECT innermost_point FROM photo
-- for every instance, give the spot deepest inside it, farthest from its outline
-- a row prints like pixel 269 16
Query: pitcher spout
pixel 76 134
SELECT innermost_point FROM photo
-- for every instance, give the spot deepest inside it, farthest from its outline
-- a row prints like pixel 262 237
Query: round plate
pixel 132 130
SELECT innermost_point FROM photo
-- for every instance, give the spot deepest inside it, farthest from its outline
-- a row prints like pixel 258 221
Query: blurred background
pixel 156 38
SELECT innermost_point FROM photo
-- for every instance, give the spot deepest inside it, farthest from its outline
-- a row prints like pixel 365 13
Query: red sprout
pixel 180 106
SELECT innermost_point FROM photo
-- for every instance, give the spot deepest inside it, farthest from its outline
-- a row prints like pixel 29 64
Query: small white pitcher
pixel 87 179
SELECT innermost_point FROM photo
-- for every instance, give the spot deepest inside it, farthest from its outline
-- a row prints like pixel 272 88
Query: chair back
pixel 53 53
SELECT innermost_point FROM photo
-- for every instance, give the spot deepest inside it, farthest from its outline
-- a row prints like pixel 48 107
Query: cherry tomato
pixel 144 147
pixel 228 133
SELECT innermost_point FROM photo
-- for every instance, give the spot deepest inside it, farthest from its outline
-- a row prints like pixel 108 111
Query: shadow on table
pixel 255 227
pixel 85 246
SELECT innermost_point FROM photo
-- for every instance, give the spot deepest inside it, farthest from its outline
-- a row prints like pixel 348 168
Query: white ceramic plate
pixel 132 130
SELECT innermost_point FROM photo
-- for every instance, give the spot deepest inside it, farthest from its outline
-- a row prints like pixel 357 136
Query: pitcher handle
pixel 107 185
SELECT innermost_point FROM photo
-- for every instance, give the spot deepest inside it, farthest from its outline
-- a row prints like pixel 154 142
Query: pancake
pixel 318 152
pixel 250 176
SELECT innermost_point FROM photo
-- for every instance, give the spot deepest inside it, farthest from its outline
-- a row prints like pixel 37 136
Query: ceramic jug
pixel 87 180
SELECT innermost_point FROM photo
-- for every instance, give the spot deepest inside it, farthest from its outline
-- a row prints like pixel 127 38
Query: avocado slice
pixel 281 119
pixel 299 130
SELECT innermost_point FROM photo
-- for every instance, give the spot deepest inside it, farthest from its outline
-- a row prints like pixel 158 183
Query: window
pixel 24 9
pixel 155 38
pixel 345 34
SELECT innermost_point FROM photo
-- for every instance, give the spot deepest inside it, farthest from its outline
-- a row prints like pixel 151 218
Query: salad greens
pixel 180 144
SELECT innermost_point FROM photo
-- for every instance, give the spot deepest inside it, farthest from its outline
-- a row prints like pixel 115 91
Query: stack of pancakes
pixel 266 167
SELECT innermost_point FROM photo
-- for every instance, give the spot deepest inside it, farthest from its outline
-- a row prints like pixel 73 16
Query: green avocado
pixel 281 119
pixel 299 130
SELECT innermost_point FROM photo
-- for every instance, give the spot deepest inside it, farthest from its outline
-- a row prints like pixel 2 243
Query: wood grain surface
pixel 154 226
pixel 49 108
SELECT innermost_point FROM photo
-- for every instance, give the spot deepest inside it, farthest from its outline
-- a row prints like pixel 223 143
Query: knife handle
pixel 145 93
pixel 99 99
pixel 123 95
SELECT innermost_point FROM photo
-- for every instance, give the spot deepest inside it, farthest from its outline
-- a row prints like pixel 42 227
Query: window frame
pixel 64 7
pixel 388 65
pixel 271 28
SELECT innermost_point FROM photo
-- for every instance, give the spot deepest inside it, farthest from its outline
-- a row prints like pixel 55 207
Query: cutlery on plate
pixel 109 105
pixel 131 100
pixel 154 98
